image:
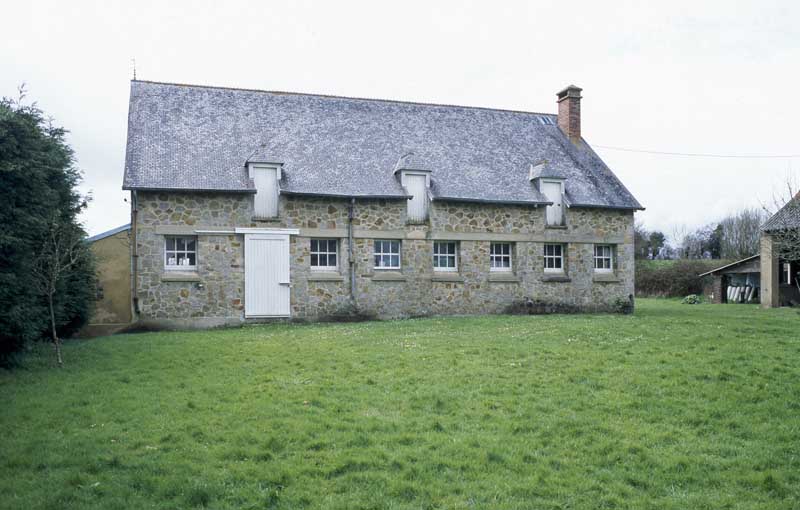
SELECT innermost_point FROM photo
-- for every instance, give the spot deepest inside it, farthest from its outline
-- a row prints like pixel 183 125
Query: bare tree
pixel 62 248
pixel 741 234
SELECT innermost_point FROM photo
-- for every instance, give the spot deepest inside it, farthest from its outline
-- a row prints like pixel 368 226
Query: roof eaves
pixel 489 201
pixel 190 190
pixel 345 195
pixel 751 257
pixel 108 233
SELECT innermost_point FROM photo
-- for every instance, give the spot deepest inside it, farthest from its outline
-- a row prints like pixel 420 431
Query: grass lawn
pixel 676 407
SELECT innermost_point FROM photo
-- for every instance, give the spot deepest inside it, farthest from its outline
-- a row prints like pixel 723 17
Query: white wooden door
pixel 555 212
pixel 417 206
pixel 266 275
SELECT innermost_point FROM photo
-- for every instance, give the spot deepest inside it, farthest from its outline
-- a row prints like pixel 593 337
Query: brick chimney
pixel 569 112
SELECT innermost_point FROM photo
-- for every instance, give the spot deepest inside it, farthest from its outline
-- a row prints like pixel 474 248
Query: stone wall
pixel 214 294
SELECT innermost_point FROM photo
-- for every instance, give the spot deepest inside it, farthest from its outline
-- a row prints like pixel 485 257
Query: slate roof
pixel 187 137
pixel 109 233
pixel 787 217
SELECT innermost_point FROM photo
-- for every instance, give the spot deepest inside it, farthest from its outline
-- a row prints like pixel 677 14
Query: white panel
pixel 555 212
pixel 266 270
pixel 266 199
pixel 417 206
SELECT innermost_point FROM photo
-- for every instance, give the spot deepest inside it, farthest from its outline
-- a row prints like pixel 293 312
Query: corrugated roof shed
pixel 186 137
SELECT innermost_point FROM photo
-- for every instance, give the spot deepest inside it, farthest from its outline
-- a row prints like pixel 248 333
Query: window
pixel 323 254
pixel 553 258
pixel 387 254
pixel 786 273
pixel 444 256
pixel 180 252
pixel 603 258
pixel 500 257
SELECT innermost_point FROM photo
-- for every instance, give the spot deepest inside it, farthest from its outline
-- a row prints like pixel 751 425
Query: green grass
pixel 675 407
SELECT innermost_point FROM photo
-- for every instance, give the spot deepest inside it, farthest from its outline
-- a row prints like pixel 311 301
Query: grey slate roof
pixel 788 217
pixel 109 233
pixel 187 137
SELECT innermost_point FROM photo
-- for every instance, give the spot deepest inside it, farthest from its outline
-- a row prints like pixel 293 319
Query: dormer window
pixel 415 178
pixel 553 189
pixel 416 184
pixel 265 178
pixel 549 180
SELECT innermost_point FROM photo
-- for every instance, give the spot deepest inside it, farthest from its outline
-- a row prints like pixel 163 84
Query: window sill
pixel 325 276
pixel 266 219
pixel 556 278
pixel 180 276
pixel 388 276
pixel 445 276
pixel 503 277
pixel 556 227
pixel 605 278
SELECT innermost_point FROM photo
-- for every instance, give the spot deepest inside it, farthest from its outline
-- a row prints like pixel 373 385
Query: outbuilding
pixel 739 282
pixel 112 311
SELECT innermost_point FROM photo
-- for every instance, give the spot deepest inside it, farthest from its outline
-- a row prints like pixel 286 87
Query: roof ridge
pixel 334 96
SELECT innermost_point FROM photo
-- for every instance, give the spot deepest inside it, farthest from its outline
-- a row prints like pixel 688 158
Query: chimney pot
pixel 569 112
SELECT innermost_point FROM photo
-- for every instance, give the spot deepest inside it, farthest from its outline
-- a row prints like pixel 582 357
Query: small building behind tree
pixel 112 311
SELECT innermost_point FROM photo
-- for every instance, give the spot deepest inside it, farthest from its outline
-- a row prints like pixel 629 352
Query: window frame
pixel 176 251
pixel 389 254
pixel 437 256
pixel 560 258
pixel 501 256
pixel 610 258
pixel 323 253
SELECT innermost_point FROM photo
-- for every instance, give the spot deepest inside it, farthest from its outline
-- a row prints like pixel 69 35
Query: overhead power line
pixel 700 155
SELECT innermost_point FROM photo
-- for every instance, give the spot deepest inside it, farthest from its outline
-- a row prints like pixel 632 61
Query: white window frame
pixel 445 256
pixel 382 244
pixel 554 257
pixel 326 253
pixel 603 259
pixel 185 252
pixel 495 257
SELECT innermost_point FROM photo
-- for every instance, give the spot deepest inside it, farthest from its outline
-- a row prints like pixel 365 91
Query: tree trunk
pixel 56 341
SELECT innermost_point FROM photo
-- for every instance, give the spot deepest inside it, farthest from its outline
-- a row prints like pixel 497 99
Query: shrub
pixel 678 278
pixel 691 299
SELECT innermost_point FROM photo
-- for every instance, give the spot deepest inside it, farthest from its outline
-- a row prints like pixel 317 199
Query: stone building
pixel 251 204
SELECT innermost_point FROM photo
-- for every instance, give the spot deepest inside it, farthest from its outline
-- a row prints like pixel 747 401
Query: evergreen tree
pixel 38 181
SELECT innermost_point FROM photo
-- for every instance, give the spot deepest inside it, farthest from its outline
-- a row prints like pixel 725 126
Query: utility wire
pixel 700 155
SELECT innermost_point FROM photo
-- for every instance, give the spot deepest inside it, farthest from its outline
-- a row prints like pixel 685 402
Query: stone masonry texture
pixel 215 291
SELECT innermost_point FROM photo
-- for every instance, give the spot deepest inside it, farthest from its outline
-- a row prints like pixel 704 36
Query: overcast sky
pixel 695 77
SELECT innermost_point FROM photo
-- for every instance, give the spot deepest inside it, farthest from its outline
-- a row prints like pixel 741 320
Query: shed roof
pixel 188 137
pixel 731 265
pixel 108 233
